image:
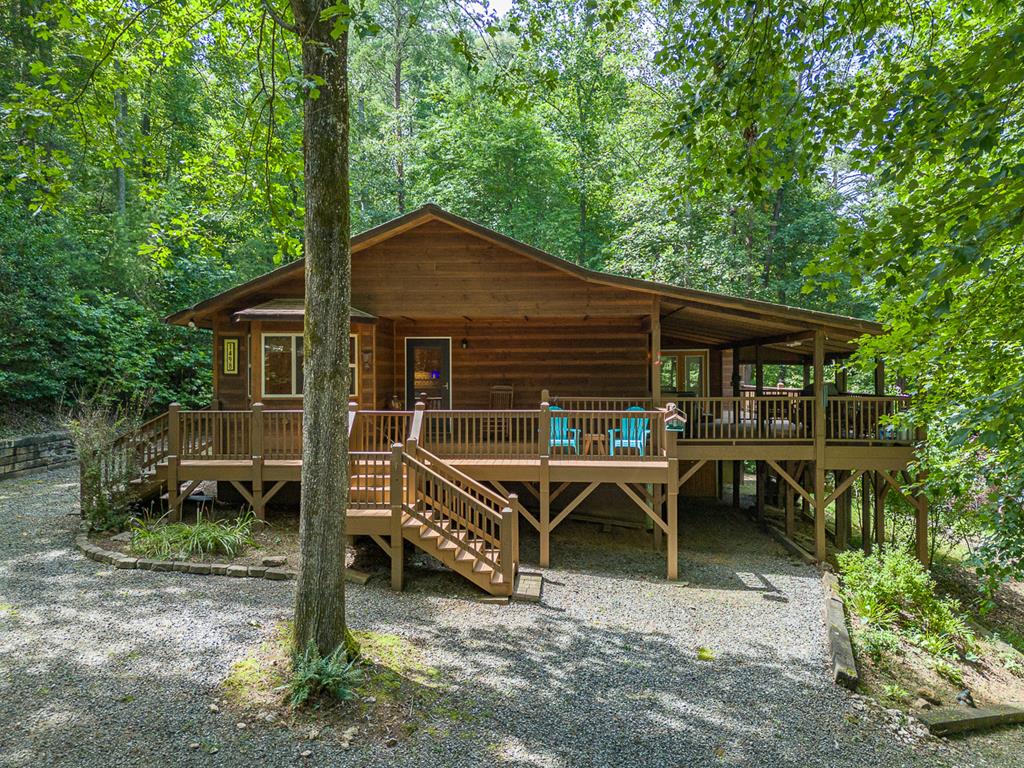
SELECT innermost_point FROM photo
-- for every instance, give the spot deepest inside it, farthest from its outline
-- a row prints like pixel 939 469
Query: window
pixel 684 371
pixel 282 365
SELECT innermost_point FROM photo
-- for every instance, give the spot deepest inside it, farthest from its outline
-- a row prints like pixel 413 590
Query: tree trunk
pixel 397 101
pixel 320 591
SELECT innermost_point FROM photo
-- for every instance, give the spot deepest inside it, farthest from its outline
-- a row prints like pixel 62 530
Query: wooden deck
pixel 554 454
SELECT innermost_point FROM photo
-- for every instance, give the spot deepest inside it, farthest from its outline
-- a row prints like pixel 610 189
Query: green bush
pixel 314 675
pixel 879 644
pixel 152 538
pixel 892 589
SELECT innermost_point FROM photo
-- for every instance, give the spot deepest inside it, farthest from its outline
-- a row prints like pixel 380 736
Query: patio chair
pixel 632 434
pixel 562 435
pixel 502 397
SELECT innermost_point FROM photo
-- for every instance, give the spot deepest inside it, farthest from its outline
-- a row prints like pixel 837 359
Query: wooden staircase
pixel 460 522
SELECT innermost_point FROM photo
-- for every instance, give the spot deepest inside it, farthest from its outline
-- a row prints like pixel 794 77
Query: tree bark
pixel 320 590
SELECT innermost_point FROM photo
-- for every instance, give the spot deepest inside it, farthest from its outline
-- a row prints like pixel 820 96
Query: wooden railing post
pixel 507 550
pixel 396 499
pixel 416 425
pixel 173 452
pixel 353 409
pixel 544 429
pixel 545 396
pixel 513 502
pixel 256 451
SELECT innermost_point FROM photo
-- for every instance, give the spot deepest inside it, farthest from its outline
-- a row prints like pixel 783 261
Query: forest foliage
pixel 860 158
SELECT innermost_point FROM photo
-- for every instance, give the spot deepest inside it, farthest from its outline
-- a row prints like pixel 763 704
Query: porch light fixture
pixel 464 343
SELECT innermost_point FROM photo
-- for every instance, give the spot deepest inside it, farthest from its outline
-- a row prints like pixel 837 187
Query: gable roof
pixel 735 316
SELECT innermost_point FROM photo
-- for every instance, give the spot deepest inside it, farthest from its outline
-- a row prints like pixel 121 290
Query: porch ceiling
pixel 687 323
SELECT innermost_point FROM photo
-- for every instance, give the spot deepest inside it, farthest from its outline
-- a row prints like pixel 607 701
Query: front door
pixel 428 371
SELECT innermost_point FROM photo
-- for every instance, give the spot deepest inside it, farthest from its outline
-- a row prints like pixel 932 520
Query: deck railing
pixel 481 434
pixel 606 433
pixel 866 418
pixel 599 403
pixel 779 418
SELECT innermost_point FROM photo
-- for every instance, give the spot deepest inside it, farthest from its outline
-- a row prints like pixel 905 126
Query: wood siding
pixel 434 269
pixel 600 358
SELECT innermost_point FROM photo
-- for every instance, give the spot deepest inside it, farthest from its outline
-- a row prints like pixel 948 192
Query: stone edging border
pixel 122 561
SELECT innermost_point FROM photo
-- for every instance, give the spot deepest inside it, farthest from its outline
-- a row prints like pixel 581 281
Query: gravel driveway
pixel 101 667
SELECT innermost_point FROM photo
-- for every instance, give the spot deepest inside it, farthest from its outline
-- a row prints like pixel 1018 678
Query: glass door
pixel 428 369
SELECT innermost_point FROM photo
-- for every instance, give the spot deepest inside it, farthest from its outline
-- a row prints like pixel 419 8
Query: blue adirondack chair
pixel 631 434
pixel 562 435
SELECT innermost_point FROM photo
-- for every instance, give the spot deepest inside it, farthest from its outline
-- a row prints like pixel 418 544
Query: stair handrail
pixel 505 518
pixel 459 477
pixel 353 410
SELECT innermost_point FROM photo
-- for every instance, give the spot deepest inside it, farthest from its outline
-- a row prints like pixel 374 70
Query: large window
pixel 282 364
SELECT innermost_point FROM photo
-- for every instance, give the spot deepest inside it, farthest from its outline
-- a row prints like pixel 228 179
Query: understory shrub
pixel 154 538
pixel 892 590
pixel 313 676
pixel 106 469
pixel 878 643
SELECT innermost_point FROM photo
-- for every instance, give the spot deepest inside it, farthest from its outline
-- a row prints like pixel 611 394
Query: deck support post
pixel 256 433
pixel 842 511
pixel 656 508
pixel 737 466
pixel 544 486
pixel 790 512
pixel 879 499
pixel 397 537
pixel 173 452
pixel 921 514
pixel 865 512
pixel 820 543
pixel 761 474
pixel 672 535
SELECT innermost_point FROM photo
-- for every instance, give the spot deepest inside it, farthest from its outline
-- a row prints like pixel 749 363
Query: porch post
pixel 737 466
pixel 790 512
pixel 879 376
pixel 819 445
pixel 545 485
pixel 656 351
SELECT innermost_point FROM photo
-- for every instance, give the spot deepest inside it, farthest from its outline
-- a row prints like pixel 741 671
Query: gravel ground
pixel 101 667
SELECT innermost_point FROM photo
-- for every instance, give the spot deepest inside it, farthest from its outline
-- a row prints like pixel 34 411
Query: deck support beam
pixel 820 544
pixel 395 493
pixel 672 524
pixel 545 512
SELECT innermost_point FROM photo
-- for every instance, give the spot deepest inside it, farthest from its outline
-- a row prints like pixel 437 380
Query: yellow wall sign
pixel 230 357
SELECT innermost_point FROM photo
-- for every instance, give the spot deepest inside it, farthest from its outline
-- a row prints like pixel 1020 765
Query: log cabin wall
pixel 436 271
pixel 601 358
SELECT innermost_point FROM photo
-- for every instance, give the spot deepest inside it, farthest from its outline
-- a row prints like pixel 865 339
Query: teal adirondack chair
pixel 562 435
pixel 631 434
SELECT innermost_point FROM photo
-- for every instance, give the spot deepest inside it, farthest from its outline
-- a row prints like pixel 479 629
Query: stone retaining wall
pixel 32 453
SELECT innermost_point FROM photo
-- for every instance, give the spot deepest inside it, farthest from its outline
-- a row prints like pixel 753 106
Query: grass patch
pixel 391 695
pixel 180 541
pixel 8 611
pixel 705 654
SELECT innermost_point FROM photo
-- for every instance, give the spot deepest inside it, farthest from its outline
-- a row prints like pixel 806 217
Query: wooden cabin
pixel 514 369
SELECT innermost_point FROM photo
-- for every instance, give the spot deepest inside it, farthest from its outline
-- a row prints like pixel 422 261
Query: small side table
pixel 595 444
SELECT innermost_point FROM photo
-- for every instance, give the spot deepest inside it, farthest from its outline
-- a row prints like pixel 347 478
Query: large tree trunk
pixel 320 592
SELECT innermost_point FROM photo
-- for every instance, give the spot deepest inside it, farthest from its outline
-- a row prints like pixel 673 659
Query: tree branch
pixel 278 18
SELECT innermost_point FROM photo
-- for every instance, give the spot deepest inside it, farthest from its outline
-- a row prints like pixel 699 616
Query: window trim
pixel 353 367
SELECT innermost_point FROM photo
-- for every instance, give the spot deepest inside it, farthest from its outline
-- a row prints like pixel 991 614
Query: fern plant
pixel 314 675
pixel 153 538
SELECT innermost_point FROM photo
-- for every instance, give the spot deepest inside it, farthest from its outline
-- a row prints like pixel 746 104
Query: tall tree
pixel 320 593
